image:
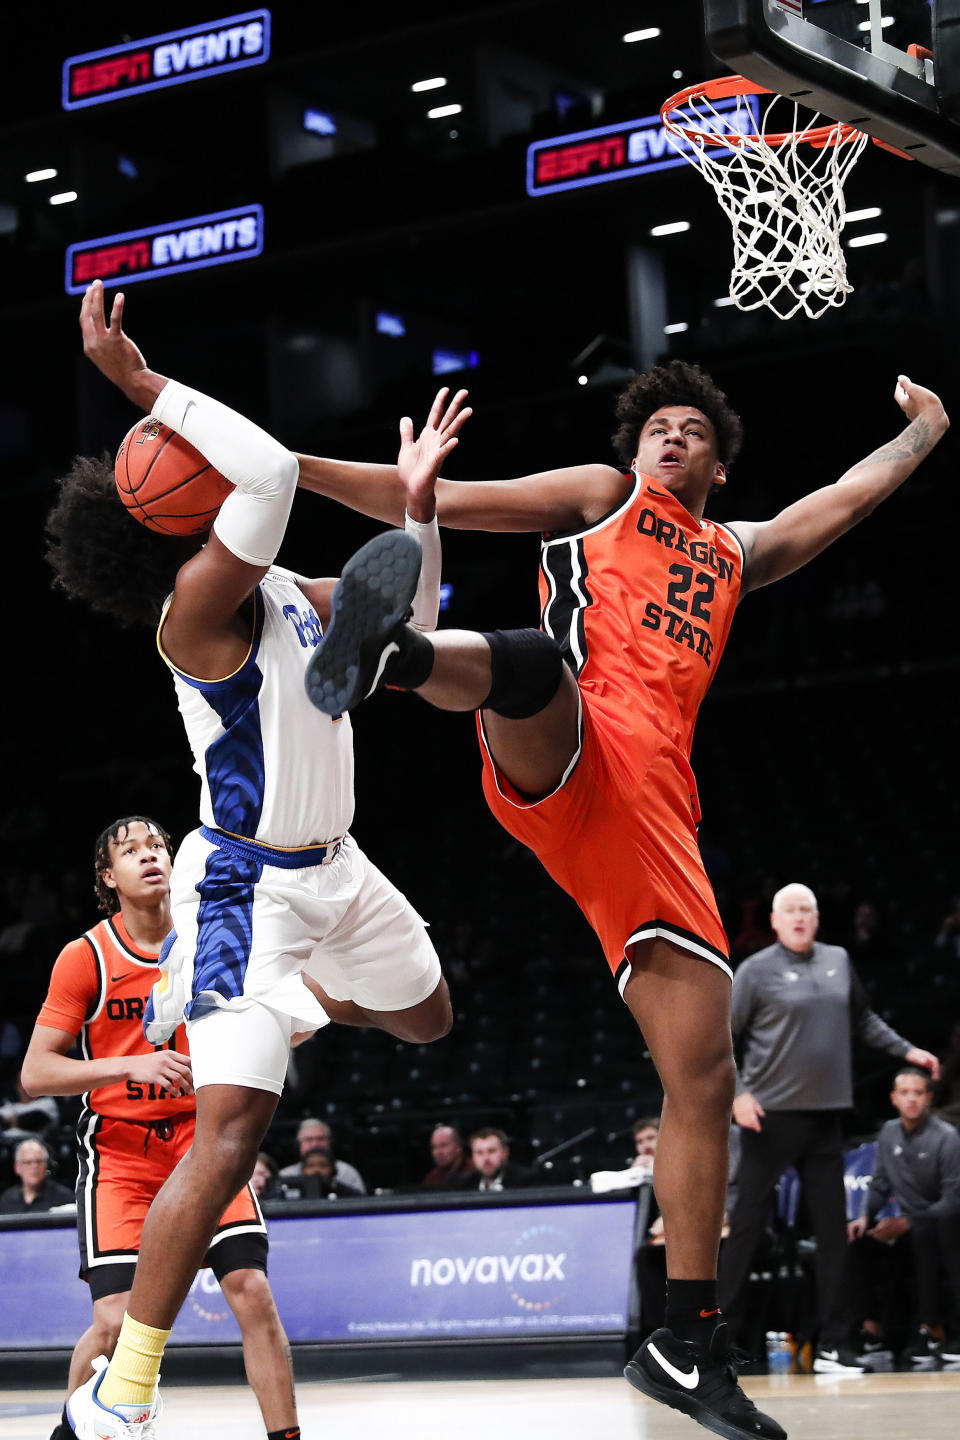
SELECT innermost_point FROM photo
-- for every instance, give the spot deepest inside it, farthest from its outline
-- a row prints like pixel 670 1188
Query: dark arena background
pixel 369 249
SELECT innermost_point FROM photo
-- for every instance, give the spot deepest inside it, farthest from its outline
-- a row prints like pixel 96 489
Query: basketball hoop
pixel 786 206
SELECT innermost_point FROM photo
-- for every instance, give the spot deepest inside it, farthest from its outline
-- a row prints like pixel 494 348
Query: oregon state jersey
pixel 273 768
pixel 98 990
pixel 641 604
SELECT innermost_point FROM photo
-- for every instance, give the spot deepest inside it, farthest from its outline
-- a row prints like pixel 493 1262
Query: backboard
pixel 889 67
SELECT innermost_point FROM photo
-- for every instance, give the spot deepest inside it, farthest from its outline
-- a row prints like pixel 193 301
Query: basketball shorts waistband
pixel 300 859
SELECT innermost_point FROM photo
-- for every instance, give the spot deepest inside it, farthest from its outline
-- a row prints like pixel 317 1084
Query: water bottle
pixel 779 1353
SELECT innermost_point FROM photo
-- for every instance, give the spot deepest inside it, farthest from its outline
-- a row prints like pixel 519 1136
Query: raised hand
pixel 114 353
pixel 914 400
pixel 419 461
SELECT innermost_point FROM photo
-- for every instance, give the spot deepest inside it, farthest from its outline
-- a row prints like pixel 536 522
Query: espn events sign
pixel 615 152
pixel 169 249
pixel 171 59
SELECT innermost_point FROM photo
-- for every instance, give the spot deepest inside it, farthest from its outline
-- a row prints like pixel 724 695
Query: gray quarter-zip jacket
pixel 920 1168
pixel 794 1016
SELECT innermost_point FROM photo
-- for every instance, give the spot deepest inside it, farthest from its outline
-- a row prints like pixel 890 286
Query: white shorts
pixel 248 1047
pixel 248 929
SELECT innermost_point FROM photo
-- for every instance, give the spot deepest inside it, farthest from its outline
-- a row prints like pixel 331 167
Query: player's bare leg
pixel 99 1339
pixel 682 1005
pixel 231 1123
pixel 430 1020
pixel 266 1349
pixel 532 752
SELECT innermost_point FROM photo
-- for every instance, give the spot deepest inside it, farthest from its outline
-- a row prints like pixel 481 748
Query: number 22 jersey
pixel 641 605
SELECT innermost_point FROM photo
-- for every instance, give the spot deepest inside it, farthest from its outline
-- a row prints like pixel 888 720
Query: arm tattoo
pixel 915 440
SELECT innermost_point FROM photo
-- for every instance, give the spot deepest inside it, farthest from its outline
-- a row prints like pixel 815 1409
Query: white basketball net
pixel 782 195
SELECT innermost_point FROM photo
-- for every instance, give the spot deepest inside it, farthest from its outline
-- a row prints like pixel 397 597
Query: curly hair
pixel 99 554
pixel 108 899
pixel 675 383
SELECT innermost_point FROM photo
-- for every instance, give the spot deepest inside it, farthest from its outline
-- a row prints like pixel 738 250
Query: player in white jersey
pixel 282 923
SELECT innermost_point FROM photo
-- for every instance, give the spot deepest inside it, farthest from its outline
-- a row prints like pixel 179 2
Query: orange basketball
pixel 165 483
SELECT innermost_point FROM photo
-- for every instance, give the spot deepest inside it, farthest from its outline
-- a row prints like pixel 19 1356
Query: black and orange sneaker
pixel 700 1380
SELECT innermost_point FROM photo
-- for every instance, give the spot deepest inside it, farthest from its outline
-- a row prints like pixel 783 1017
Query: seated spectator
pixel 25 1118
pixel 918 1165
pixel 311 1135
pixel 639 1169
pixel 646 1133
pixel 265 1179
pixel 450 1161
pixel 318 1179
pixel 35 1191
pixel 492 1167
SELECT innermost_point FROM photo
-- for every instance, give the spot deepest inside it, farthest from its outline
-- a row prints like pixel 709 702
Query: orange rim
pixel 728 85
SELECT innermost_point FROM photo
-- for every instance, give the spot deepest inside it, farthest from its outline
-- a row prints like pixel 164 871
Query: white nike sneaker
pixel 92 1421
pixel 168 998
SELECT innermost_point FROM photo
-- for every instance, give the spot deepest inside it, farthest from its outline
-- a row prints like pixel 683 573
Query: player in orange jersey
pixel 140 1115
pixel 585 730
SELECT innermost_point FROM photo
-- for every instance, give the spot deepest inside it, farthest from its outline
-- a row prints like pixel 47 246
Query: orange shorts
pixel 619 834
pixel 123 1164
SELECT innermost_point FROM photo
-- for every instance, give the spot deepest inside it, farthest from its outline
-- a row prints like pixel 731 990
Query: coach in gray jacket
pixel 796 1006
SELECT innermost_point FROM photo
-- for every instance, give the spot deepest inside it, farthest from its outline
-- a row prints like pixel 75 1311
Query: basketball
pixel 165 483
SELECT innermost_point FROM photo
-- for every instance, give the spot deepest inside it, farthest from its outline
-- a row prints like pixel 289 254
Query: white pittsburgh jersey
pixel 272 767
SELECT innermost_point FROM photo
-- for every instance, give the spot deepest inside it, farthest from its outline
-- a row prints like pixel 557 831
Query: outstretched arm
pixel 551 500
pixel 777 547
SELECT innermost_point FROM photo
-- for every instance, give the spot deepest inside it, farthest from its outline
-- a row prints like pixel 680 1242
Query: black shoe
pixel 872 1349
pixel 372 599
pixel 924 1351
pixel 838 1360
pixel 950 1349
pixel 64 1430
pixel 700 1380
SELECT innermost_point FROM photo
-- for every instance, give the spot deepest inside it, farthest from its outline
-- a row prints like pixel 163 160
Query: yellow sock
pixel 132 1376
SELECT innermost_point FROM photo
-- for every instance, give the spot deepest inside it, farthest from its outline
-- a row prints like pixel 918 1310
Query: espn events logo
pixel 615 152
pixel 171 59
pixel 530 1275
pixel 166 249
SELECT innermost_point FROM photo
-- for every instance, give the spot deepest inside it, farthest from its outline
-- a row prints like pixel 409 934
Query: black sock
pixel 292 1434
pixel 692 1309
pixel 413 663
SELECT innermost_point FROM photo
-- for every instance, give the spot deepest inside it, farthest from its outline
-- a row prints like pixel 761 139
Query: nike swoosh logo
pixel 392 649
pixel 191 405
pixel 689 1380
pixel 660 494
pixel 115 978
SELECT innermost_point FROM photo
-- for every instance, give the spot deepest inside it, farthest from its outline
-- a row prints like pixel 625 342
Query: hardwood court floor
pixel 381 1407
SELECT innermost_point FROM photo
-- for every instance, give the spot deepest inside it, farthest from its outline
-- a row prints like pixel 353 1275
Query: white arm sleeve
pixel 426 602
pixel 252 519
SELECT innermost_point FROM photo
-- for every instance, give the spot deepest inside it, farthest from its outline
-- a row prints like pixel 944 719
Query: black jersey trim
pixel 557 537
pixel 148 963
pixel 88 1170
pixel 100 963
pixel 566 570
pixel 728 530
